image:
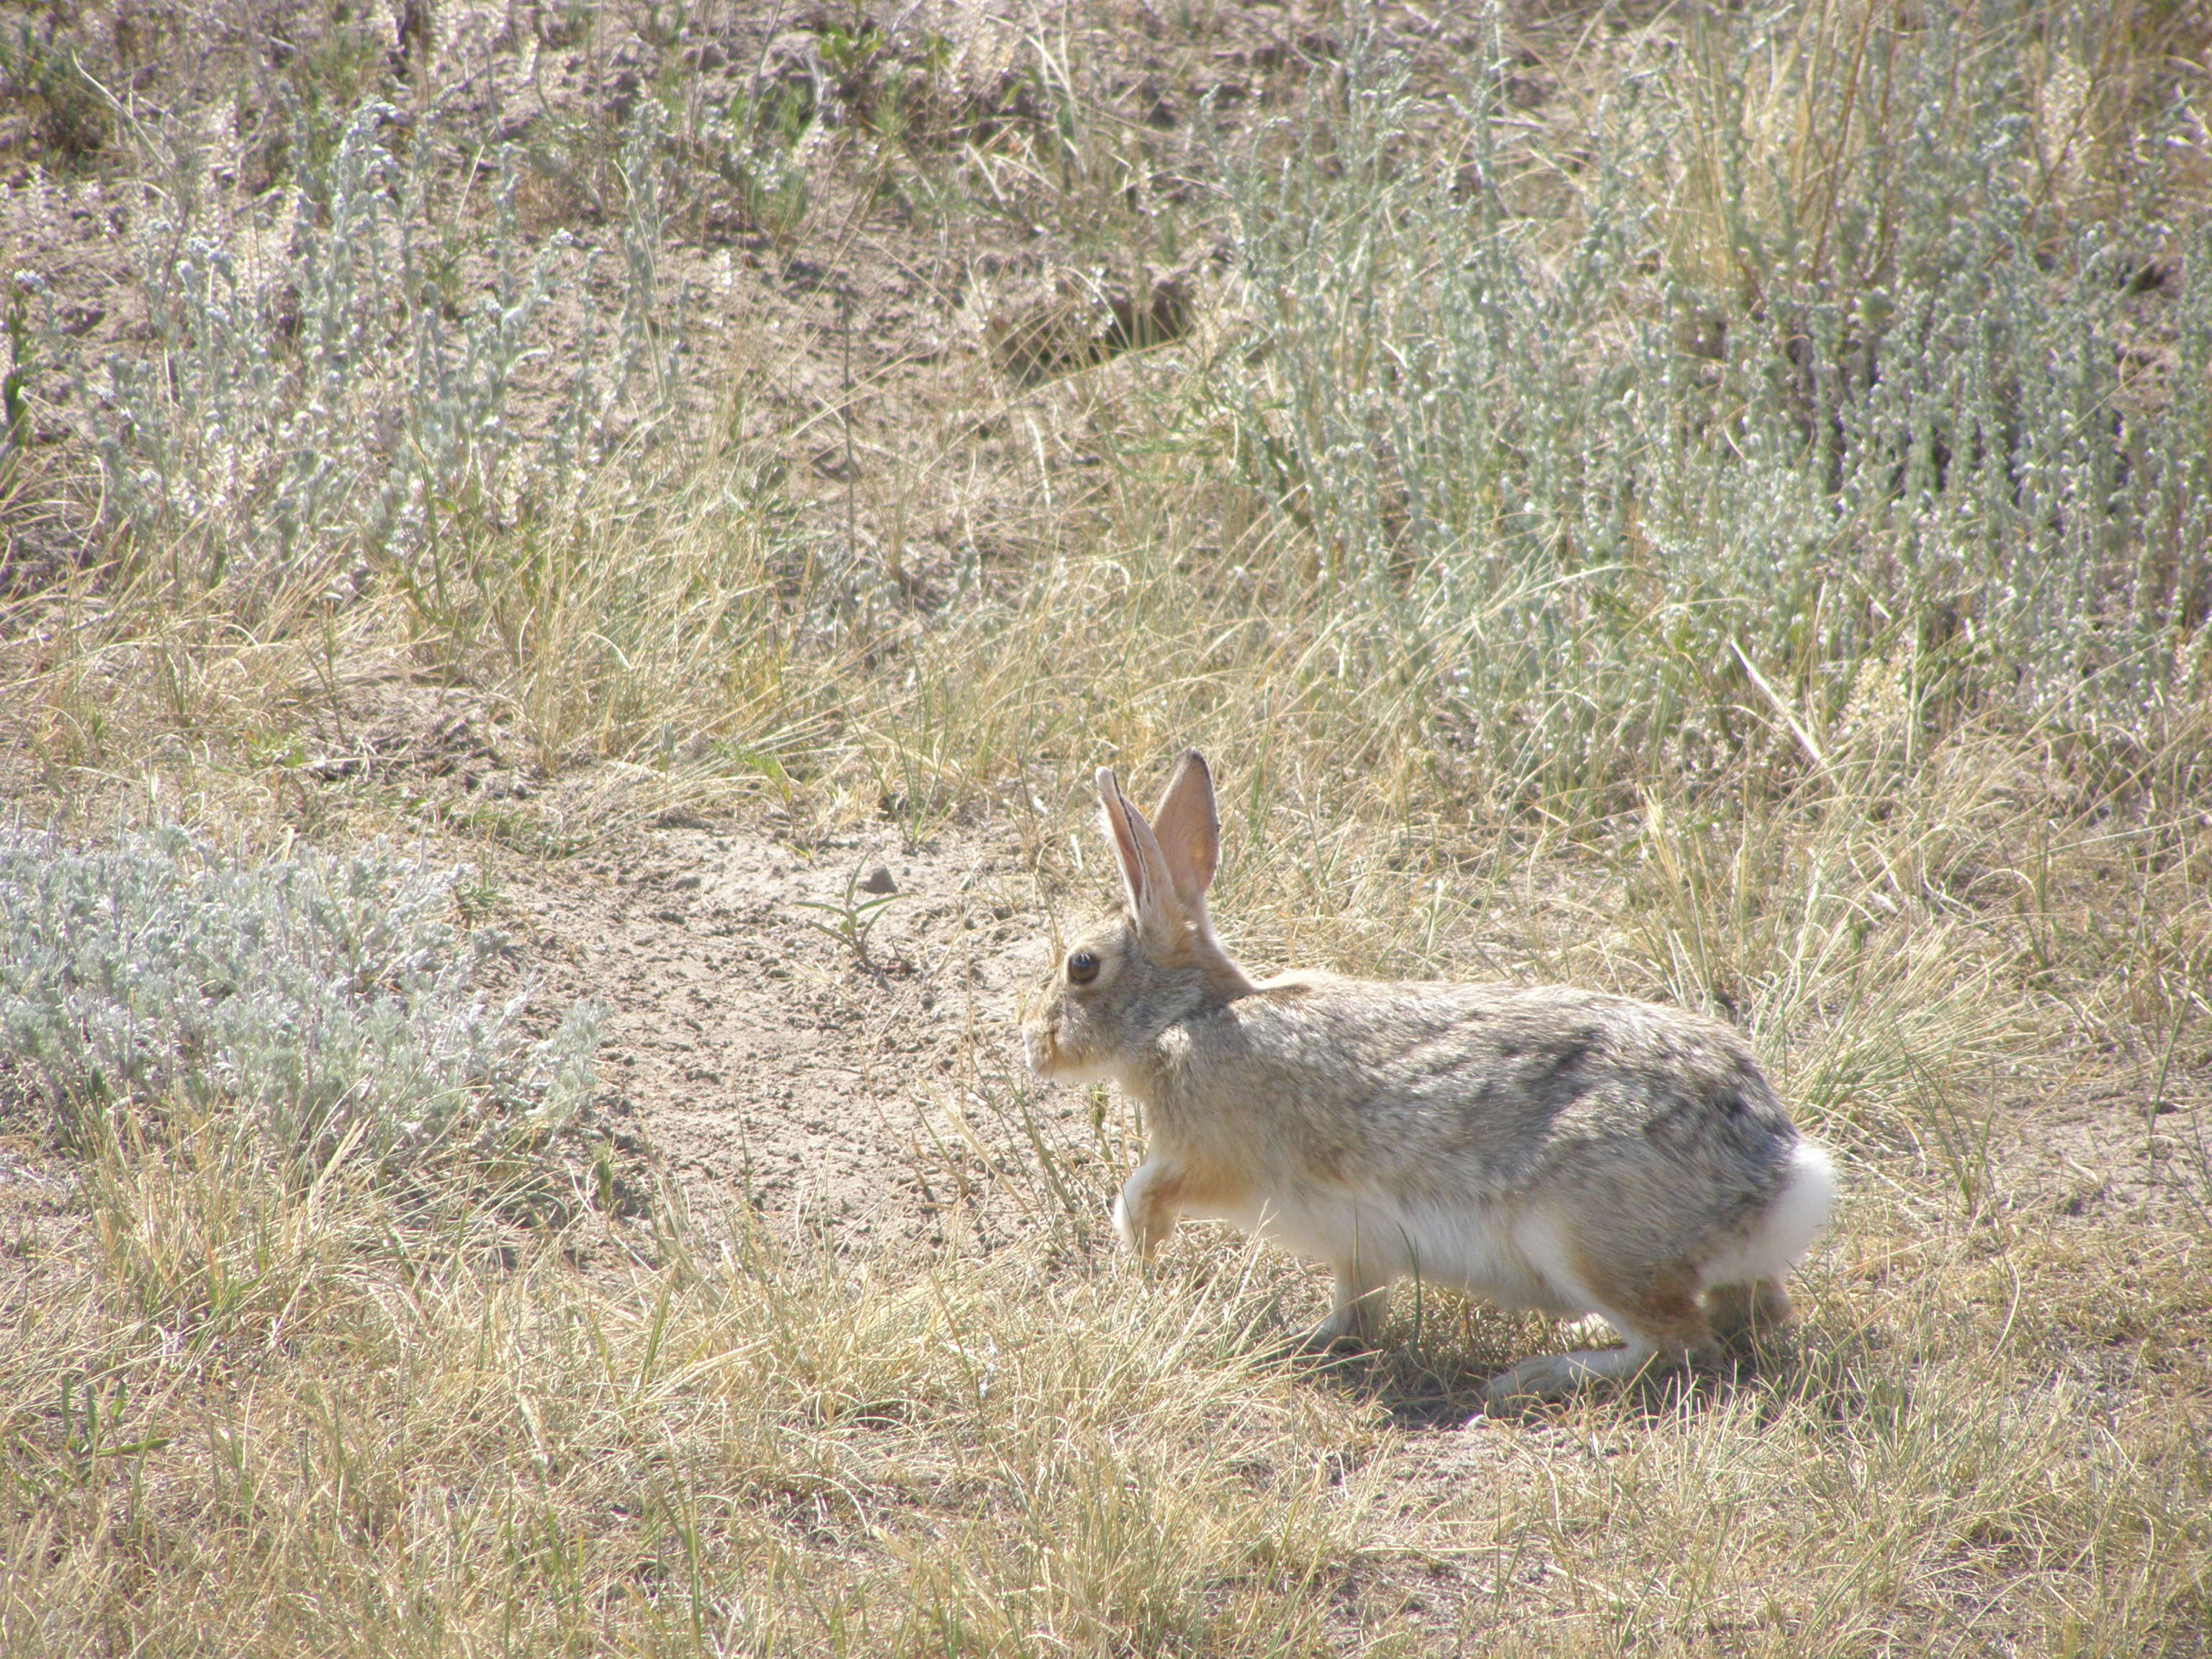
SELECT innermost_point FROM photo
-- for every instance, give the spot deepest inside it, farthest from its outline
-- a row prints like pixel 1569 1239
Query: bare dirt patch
pixel 752 1057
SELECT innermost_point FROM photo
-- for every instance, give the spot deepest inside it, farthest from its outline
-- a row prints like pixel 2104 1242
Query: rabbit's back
pixel 1443 1090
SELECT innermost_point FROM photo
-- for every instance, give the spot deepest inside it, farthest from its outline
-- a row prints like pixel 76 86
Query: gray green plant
pixel 326 1001
pixel 336 390
pixel 1905 425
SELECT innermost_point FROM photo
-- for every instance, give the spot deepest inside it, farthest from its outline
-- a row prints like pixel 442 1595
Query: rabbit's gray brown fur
pixel 1548 1148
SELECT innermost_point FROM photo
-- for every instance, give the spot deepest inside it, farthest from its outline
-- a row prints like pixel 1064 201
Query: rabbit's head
pixel 1118 984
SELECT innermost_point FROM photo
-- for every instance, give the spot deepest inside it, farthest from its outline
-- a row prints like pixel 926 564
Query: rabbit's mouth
pixel 1049 1059
pixel 1041 1047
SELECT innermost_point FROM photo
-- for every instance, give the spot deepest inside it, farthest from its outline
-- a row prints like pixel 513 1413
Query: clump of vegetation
pixel 356 401
pixel 1911 413
pixel 308 1002
pixel 42 76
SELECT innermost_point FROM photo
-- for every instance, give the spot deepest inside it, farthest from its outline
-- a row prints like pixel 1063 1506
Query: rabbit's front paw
pixel 1141 1218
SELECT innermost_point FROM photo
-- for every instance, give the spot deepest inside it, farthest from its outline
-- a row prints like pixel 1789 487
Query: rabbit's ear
pixel 1144 869
pixel 1189 830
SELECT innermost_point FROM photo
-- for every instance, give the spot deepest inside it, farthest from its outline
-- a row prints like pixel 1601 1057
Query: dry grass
pixel 246 1421
pixel 1971 933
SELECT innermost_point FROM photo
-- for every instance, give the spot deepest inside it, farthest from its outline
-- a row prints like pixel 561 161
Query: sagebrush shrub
pixel 340 368
pixel 320 999
pixel 1613 498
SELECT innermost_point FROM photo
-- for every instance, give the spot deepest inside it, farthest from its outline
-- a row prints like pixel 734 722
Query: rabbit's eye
pixel 1082 968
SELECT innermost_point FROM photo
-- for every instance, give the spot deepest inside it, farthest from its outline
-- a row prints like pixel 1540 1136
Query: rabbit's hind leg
pixel 1657 1313
pixel 1748 1317
pixel 1558 1376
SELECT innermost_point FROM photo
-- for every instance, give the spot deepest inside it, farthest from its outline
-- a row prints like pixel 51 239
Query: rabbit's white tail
pixel 1792 1222
pixel 1805 1204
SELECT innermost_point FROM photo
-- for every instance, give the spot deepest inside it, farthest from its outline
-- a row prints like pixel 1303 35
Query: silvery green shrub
pixel 320 999
pixel 340 364
pixel 1600 495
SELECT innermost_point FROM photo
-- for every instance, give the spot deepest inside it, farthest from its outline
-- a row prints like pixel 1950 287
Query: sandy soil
pixel 753 1056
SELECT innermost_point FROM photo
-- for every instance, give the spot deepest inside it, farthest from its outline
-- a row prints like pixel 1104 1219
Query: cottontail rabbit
pixel 1552 1148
